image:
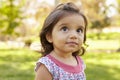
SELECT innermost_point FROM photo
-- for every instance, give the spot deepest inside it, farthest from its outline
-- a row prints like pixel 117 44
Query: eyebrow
pixel 61 25
pixel 80 26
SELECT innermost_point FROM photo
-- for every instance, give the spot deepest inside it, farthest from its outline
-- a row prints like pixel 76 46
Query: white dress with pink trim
pixel 61 71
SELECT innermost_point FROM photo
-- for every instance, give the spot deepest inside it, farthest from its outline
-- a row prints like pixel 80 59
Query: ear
pixel 49 37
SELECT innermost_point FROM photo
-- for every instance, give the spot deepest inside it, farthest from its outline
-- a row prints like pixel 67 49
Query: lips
pixel 72 43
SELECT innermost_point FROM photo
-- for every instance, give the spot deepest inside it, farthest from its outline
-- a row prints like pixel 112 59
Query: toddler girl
pixel 62 37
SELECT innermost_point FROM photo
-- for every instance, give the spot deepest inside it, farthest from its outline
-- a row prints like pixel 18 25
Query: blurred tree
pixel 97 14
pixel 35 11
pixel 63 1
pixel 115 9
pixel 10 17
pixel 68 0
pixel 118 1
pixel 118 8
pixel 56 2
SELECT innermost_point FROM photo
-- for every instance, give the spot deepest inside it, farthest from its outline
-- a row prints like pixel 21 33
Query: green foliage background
pixel 101 58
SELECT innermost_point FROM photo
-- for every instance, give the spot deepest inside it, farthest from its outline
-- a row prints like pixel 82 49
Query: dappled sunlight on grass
pixel 26 65
pixel 112 62
pixel 102 72
pixel 102 66
pixel 17 71
pixel 18 64
pixel 18 55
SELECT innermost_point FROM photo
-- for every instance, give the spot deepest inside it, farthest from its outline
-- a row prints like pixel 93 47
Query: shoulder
pixel 41 73
pixel 43 60
pixel 44 66
pixel 42 69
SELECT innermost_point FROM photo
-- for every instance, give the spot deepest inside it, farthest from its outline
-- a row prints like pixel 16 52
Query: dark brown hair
pixel 59 12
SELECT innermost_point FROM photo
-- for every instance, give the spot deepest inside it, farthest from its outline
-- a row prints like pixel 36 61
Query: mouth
pixel 72 43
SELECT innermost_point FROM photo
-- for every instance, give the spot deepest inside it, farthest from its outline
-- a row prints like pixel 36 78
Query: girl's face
pixel 68 34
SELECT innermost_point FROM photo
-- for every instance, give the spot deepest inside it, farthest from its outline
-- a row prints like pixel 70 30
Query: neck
pixel 64 58
pixel 61 54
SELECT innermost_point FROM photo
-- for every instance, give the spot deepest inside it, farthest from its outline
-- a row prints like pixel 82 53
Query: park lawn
pixel 102 66
pixel 18 64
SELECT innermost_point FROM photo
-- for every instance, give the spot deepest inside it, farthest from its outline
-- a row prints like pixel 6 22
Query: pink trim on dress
pixel 68 68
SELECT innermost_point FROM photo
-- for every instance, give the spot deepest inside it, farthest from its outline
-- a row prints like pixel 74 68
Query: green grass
pixel 102 66
pixel 18 64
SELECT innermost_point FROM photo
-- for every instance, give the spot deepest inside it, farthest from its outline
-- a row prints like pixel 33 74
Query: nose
pixel 73 35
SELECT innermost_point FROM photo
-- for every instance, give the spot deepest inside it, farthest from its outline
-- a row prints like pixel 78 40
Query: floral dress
pixel 61 71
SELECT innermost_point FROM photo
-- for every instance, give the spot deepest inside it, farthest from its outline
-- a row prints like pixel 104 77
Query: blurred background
pixel 20 24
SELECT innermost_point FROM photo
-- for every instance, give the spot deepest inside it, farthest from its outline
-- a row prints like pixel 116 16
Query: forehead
pixel 73 19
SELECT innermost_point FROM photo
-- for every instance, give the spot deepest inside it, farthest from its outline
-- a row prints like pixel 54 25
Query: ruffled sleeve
pixel 46 61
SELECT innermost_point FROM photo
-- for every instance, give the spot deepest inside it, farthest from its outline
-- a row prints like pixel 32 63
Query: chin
pixel 72 51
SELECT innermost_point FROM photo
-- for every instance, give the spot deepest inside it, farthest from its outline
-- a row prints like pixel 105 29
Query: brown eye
pixel 65 29
pixel 79 30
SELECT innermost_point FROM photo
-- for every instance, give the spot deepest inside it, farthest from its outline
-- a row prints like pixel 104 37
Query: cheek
pixel 81 39
pixel 56 38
